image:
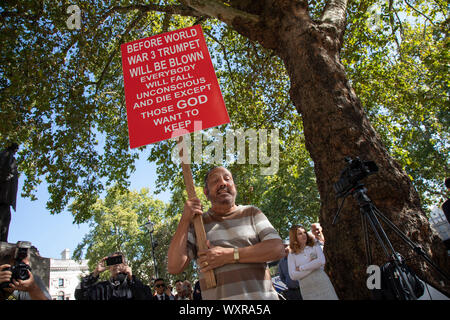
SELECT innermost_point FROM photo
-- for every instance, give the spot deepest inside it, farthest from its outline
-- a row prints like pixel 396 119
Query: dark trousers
pixel 293 294
pixel 5 219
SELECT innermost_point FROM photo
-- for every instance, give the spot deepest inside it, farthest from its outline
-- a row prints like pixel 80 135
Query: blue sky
pixel 51 234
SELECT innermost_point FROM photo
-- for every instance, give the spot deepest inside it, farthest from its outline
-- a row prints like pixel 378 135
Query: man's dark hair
pixel 160 279
pixel 447 183
pixel 178 281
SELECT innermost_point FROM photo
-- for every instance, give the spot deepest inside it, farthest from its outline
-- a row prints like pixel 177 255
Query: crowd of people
pixel 241 242
pixel 184 290
pixel 121 285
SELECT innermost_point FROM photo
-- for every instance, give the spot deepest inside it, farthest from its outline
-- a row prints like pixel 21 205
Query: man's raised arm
pixel 178 258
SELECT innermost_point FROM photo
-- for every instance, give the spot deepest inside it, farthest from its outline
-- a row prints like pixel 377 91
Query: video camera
pixel 355 171
pixel 20 269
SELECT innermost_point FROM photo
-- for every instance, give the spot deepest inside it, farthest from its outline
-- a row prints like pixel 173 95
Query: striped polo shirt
pixel 246 226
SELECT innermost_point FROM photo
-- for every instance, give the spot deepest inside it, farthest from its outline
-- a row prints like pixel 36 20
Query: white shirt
pixel 310 259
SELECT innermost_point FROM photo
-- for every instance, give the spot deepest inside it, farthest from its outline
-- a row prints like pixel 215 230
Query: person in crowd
pixel 30 287
pixel 305 263
pixel 197 294
pixel 293 289
pixel 316 230
pixel 160 288
pixel 187 290
pixel 122 285
pixel 240 242
pixel 169 293
pixel 179 289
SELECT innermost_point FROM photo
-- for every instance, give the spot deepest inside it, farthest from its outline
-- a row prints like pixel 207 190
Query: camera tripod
pixel 369 216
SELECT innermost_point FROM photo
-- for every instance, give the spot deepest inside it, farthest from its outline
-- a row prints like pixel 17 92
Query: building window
pixel 60 295
pixel 61 282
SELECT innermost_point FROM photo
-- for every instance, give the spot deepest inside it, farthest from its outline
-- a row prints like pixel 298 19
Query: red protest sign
pixel 170 85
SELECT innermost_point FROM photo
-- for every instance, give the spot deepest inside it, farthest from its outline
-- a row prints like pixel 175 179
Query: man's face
pixel 160 287
pixel 316 230
pixel 187 288
pixel 220 187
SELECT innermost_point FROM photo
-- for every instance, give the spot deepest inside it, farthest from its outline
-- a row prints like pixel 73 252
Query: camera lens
pixel 20 271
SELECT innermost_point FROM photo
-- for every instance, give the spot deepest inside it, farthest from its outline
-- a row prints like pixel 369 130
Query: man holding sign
pixel 171 90
pixel 240 242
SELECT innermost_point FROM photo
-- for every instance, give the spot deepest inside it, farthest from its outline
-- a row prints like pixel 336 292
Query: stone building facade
pixel 65 275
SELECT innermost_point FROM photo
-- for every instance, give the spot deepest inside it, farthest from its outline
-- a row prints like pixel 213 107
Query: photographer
pixel 16 279
pixel 161 292
pixel 121 286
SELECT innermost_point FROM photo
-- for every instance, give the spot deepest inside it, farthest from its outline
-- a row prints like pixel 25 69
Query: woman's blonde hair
pixel 293 243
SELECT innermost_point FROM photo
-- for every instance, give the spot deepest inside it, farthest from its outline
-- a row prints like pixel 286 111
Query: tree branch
pixel 219 10
pixel 114 51
pixel 225 56
pixel 419 12
pixel 180 10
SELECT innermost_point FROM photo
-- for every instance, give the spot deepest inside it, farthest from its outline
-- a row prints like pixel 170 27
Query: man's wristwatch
pixel 236 255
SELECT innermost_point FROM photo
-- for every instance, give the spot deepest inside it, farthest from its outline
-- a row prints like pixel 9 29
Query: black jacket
pixel 165 297
pixel 90 289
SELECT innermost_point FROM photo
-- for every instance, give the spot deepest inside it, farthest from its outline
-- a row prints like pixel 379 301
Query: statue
pixel 9 177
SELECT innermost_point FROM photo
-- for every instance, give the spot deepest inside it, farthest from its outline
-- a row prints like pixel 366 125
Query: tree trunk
pixel 336 126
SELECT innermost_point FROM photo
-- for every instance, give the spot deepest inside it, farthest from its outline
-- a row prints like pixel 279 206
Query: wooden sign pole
pixel 198 220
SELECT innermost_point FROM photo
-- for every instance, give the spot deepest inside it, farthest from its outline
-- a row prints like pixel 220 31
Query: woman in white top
pixel 305 263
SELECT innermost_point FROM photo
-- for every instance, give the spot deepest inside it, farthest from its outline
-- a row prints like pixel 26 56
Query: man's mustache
pixel 223 188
